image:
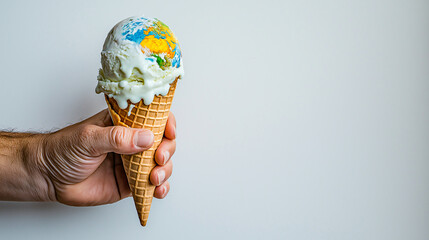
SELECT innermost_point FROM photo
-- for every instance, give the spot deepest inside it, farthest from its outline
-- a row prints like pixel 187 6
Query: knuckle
pixel 118 136
pixel 86 137
pixel 169 167
pixel 86 133
pixel 173 147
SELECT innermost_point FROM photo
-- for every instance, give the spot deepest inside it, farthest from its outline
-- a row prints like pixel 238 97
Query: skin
pixel 80 165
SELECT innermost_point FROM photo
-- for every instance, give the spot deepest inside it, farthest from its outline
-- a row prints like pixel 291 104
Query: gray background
pixel 296 119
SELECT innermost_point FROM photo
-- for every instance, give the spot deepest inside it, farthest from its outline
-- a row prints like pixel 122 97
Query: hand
pixel 83 164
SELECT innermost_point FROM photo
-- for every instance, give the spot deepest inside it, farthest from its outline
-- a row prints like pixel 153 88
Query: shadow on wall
pixel 39 209
pixel 22 219
pixel 45 216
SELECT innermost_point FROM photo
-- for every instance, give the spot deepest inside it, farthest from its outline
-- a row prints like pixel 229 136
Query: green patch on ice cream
pixel 162 61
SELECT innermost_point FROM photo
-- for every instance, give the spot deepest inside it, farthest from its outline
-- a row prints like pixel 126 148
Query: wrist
pixel 21 176
pixel 34 163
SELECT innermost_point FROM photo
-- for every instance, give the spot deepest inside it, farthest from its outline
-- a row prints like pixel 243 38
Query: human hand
pixel 83 167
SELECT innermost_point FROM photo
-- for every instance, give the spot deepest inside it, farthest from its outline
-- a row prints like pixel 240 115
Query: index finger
pixel 101 119
pixel 170 128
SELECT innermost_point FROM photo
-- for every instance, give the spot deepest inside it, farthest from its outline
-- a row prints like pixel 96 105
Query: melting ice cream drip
pixel 131 106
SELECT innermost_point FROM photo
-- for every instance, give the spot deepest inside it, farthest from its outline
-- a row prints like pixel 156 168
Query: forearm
pixel 20 176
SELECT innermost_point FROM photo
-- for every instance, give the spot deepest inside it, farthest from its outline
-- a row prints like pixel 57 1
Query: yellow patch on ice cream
pixel 159 39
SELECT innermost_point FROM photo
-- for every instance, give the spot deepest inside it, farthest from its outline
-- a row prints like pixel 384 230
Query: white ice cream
pixel 128 73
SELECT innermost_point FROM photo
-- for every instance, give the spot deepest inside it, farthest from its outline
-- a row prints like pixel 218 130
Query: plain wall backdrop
pixel 296 119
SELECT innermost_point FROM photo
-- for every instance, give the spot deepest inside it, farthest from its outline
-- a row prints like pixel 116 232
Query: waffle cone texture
pixel 138 166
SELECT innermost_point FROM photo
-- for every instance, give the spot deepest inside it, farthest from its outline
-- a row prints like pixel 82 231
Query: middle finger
pixel 161 173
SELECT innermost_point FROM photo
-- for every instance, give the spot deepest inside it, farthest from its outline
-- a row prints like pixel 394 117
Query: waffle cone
pixel 138 166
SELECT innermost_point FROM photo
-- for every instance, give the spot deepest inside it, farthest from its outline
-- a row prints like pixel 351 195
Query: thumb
pixel 118 139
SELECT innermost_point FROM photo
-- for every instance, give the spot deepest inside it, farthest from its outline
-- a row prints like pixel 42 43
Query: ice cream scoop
pixel 141 57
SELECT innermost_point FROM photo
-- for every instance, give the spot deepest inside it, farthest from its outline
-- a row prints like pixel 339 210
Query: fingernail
pixel 174 131
pixel 161 176
pixel 166 157
pixel 143 139
pixel 164 191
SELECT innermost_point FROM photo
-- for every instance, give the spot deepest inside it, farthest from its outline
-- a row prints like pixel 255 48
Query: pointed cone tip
pixel 143 223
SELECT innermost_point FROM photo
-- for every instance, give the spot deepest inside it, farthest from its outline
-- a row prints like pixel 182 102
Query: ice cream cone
pixel 138 166
pixel 141 61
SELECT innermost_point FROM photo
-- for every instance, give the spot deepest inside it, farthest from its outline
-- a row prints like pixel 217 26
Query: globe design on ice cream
pixel 141 57
pixel 156 40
